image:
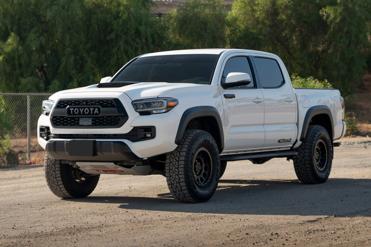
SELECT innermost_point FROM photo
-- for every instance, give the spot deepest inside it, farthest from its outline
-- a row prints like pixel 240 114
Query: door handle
pixel 229 96
pixel 257 100
pixel 288 100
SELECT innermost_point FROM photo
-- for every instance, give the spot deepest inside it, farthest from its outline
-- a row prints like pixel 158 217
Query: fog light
pixel 142 133
pixel 44 132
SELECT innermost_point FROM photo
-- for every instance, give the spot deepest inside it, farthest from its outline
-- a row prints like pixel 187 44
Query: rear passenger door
pixel 280 120
pixel 244 109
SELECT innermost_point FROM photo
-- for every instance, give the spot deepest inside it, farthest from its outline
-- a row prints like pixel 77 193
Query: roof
pixel 205 51
pixel 186 52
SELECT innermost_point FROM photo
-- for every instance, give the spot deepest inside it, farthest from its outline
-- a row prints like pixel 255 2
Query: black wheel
pixel 223 166
pixel 192 170
pixel 314 160
pixel 66 181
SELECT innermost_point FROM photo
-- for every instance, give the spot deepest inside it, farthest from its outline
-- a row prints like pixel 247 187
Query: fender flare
pixel 196 112
pixel 312 112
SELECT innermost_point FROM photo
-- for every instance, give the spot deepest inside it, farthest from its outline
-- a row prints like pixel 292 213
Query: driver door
pixel 244 110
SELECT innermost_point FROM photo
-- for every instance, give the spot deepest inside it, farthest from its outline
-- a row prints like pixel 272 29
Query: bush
pixel 309 82
pixel 351 122
pixel 4 130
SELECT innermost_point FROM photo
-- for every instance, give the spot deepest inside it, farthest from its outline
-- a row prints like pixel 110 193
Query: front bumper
pixel 162 142
pixel 90 150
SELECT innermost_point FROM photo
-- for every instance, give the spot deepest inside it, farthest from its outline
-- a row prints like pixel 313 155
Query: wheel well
pixel 208 124
pixel 323 120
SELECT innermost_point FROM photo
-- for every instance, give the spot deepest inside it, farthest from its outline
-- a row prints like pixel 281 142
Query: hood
pixel 154 89
pixel 134 91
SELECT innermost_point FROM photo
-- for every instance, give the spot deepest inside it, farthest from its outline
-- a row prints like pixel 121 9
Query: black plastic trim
pixel 114 84
pixel 196 112
pixel 135 135
pixel 312 112
pixel 248 156
pixel 90 150
pixel 44 132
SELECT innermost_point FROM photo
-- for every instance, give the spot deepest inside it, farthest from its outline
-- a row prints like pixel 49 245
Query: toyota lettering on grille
pixel 83 111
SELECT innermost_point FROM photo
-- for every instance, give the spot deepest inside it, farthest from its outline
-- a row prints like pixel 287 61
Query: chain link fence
pixel 22 111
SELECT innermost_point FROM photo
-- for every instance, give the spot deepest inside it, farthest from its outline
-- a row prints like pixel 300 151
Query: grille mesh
pixel 116 117
pixel 104 103
pixel 96 121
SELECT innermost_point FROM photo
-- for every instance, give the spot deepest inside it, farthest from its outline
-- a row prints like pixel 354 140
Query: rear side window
pixel 269 72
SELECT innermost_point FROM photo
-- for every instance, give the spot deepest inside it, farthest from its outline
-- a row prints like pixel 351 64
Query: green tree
pixel 346 43
pixel 294 29
pixel 48 45
pixel 121 30
pixel 198 24
pixel 326 39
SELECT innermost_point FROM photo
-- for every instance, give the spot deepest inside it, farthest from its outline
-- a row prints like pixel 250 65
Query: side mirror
pixel 235 79
pixel 105 79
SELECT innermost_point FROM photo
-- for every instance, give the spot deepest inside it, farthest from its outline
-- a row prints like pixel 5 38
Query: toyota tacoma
pixel 185 114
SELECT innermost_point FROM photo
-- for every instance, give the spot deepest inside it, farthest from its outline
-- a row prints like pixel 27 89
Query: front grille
pixel 112 114
pixel 104 103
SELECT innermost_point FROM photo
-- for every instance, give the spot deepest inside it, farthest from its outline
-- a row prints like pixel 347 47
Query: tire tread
pixel 303 163
pixel 175 167
pixel 61 183
pixel 54 178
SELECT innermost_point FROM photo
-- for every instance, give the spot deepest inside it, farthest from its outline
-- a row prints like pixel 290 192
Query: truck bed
pixel 331 98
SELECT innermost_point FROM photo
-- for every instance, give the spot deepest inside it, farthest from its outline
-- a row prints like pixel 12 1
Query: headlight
pixel 47 106
pixel 154 106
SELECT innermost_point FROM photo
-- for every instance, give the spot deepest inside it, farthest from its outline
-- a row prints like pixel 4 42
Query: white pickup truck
pixel 185 114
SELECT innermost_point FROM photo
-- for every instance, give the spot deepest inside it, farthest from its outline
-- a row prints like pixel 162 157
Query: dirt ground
pixel 255 205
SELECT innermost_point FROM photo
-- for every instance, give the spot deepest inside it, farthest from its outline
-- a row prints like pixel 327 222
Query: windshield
pixel 172 68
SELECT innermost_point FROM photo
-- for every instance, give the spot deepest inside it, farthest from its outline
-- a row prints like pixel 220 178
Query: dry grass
pixel 19 145
pixel 364 129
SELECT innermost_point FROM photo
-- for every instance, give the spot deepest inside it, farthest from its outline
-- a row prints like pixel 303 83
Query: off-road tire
pixel 181 166
pixel 61 179
pixel 307 168
pixel 223 167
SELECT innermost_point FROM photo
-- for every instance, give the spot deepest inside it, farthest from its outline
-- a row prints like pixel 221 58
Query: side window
pixel 238 64
pixel 268 72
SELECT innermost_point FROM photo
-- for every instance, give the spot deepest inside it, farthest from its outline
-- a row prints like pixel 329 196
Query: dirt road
pixel 254 206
